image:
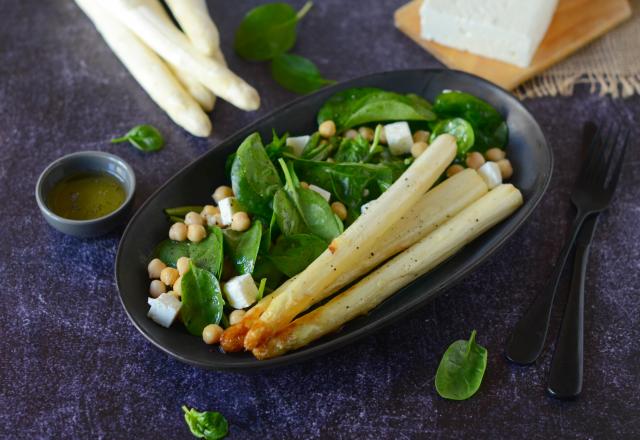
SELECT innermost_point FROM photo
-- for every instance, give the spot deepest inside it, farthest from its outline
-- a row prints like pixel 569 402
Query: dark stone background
pixel 72 366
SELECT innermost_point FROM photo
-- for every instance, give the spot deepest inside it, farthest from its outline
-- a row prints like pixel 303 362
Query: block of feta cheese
pixel 297 144
pixel 399 138
pixel 506 30
pixel 164 309
pixel 490 173
pixel 323 192
pixel 241 291
pixel 228 206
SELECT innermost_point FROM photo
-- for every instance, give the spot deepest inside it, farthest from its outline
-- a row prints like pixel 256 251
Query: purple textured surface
pixel 72 366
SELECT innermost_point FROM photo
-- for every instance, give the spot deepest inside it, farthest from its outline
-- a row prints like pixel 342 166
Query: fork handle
pixel 528 337
pixel 565 376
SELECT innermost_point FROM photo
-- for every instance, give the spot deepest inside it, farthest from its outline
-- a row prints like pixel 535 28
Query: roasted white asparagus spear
pixel 436 247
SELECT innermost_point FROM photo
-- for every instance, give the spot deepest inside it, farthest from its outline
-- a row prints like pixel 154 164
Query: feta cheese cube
pixel 164 309
pixel 490 173
pixel 506 30
pixel 323 192
pixel 228 206
pixel 399 138
pixel 297 144
pixel 241 291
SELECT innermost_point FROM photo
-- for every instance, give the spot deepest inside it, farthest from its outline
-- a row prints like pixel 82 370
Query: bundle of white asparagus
pixel 420 228
pixel 182 72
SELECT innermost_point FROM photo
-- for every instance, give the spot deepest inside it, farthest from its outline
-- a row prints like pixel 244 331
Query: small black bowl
pixel 528 151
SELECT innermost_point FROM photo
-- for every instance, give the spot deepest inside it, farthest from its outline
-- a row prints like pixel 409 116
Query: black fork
pixel 591 194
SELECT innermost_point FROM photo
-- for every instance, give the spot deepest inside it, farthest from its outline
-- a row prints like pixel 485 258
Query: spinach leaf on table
pixel 297 74
pixel 243 247
pixel 145 138
pixel 254 178
pixel 292 254
pixel 314 210
pixel 489 126
pixel 358 106
pixel 209 425
pixel 461 369
pixel 268 31
pixel 202 302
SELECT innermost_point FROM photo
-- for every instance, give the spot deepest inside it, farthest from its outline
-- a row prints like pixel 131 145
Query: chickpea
pixel 177 285
pixel 339 209
pixel 196 233
pixel 240 221
pixel 495 154
pixel 183 265
pixel 178 231
pixel 209 210
pixel 418 148
pixel 454 169
pixel 193 218
pixel 155 267
pixel 174 294
pixel 383 135
pixel 222 192
pixel 169 275
pixel 351 134
pixel 474 160
pixel 421 136
pixel 211 334
pixel 327 129
pixel 236 316
pixel 157 288
pixel 304 185
pixel 366 132
pixel 505 168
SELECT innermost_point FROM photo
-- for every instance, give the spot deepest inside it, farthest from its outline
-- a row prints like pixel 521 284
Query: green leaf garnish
pixel 144 137
pixel 461 369
pixel 209 425
pixel 297 74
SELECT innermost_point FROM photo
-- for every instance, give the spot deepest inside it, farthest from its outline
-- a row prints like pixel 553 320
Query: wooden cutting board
pixel 575 23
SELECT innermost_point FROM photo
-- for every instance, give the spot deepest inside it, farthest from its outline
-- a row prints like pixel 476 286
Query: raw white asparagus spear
pixel 149 70
pixel 432 210
pixel 205 98
pixel 194 19
pixel 436 247
pixel 356 242
pixel 175 47
pixel 200 93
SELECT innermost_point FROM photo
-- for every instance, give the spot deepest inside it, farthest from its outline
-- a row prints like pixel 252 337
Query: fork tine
pixel 598 175
pixel 617 170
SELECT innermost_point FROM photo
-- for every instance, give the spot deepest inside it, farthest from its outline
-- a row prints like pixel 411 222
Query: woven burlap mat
pixel 609 65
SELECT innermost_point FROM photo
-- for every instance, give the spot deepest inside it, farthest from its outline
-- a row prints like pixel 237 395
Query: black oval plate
pixel 528 151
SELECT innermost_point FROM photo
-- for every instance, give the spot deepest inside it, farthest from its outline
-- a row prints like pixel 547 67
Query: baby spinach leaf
pixel 287 216
pixel 202 302
pixel 461 369
pixel 243 247
pixel 277 146
pixel 292 254
pixel 208 253
pixel 209 425
pixel 320 149
pixel 297 74
pixel 312 207
pixel 358 106
pixel 489 126
pixel 268 31
pixel 459 128
pixel 145 138
pixel 254 178
pixel 261 287
pixel 352 150
pixel 266 269
pixel 169 251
